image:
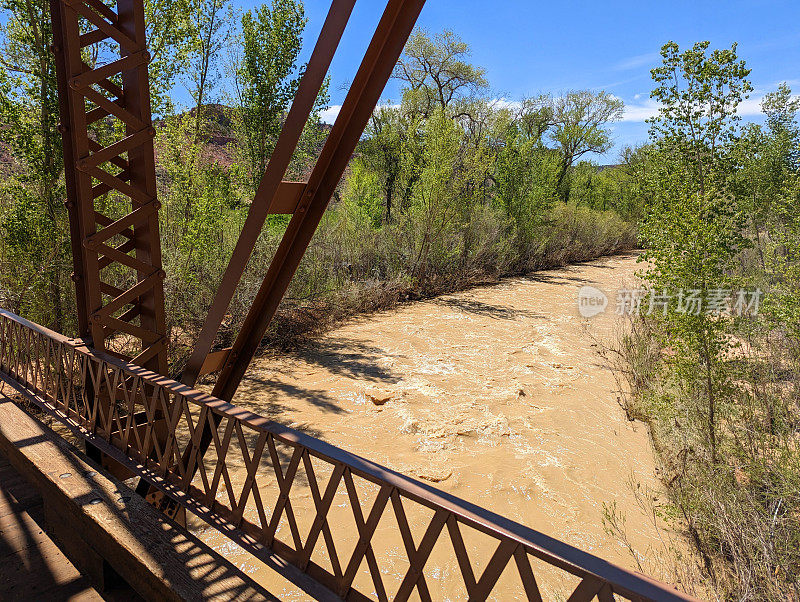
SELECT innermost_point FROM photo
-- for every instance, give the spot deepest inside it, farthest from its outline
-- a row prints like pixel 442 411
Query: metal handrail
pixel 63 376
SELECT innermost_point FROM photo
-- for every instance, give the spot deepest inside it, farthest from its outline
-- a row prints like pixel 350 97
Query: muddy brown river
pixel 497 395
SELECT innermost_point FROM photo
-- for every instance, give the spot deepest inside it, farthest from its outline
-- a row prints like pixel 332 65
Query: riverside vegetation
pixel 446 189
pixel 450 187
pixel 721 392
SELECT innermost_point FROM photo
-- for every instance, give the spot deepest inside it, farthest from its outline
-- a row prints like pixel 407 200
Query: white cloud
pixel 330 114
pixel 640 111
pixel 751 107
pixel 503 103
pixel 636 62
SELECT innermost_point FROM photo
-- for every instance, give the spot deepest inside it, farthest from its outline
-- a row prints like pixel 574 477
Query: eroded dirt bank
pixel 497 395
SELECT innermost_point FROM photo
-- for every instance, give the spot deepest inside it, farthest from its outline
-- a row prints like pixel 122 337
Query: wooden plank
pixel 44 570
pixel 31 565
pixel 41 556
pixel 19 531
pixel 16 495
pixel 159 559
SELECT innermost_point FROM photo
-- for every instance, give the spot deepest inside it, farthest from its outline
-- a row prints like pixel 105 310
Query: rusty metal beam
pixel 76 225
pixel 384 50
pixel 117 266
pixel 270 187
pixel 90 171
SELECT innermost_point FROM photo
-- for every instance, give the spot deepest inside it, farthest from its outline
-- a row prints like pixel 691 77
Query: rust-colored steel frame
pixel 110 180
pixel 376 68
pixel 121 233
pixel 92 171
pixel 181 441
pixel 387 43
pixel 61 376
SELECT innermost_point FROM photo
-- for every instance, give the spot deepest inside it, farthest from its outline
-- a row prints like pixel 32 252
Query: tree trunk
pixel 55 293
pixel 711 398
pixel 389 194
pixel 562 173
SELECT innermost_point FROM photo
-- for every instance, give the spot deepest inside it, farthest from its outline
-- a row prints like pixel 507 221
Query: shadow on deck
pixel 31 565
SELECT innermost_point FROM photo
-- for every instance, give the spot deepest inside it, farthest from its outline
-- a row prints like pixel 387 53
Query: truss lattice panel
pixel 102 63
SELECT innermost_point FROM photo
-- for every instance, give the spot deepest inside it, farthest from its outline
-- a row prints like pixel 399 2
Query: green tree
pixel 443 196
pixel 383 153
pixel 525 171
pixel 720 391
pixel 534 117
pixel 210 28
pixel 265 77
pixel 169 39
pixel 692 226
pixel 775 184
pixel 33 223
pixel 580 126
pixel 437 74
pixel 698 93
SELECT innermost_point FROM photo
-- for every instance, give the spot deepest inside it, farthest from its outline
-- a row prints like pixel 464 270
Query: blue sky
pixel 531 47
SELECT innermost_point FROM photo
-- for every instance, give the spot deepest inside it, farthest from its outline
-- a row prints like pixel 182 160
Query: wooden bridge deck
pixel 31 565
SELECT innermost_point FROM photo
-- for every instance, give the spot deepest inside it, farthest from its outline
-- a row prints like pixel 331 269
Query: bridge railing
pixel 361 530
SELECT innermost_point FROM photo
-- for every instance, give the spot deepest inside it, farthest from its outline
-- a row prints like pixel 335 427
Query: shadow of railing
pixel 125 515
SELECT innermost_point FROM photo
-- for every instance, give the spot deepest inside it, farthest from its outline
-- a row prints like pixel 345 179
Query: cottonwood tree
pixel 722 394
pixel 781 108
pixel 698 93
pixel 181 138
pixel 266 78
pixel 525 170
pixel 693 227
pixel 382 152
pixel 437 73
pixel 580 126
pixel 169 33
pixel 443 195
pixel 210 30
pixel 534 117
pixel 34 219
pixel 769 182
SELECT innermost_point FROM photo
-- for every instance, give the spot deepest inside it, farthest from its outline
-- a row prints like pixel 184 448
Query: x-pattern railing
pixel 254 480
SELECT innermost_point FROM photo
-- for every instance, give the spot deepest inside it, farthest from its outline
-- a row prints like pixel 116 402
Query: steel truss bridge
pixel 180 443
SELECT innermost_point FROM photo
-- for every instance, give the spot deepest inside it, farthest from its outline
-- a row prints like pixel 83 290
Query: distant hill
pixel 221 136
pixel 219 131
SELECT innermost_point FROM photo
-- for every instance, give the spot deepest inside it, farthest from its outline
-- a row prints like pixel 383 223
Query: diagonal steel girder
pixel 387 44
pixel 271 182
